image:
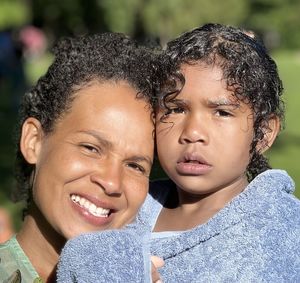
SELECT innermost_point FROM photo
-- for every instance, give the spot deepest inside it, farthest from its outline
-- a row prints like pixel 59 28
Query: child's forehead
pixel 201 66
pixel 210 72
pixel 204 75
pixel 210 79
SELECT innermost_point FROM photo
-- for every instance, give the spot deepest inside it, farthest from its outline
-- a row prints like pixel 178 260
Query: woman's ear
pixel 31 139
pixel 270 134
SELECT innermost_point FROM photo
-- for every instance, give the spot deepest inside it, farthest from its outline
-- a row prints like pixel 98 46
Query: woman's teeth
pixel 90 207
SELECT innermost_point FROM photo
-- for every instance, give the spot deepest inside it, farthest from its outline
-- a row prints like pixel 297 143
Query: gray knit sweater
pixel 255 238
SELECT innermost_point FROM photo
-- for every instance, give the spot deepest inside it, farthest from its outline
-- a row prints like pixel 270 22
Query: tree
pixel 277 20
pixel 13 13
pixel 68 17
pixel 169 18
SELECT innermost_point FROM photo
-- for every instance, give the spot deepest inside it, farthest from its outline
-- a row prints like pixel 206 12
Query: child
pixel 224 216
pixel 229 218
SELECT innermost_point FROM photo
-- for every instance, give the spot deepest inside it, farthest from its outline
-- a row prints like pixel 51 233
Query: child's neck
pixel 193 210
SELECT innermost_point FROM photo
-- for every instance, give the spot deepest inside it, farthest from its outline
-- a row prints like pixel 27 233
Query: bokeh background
pixel 28 30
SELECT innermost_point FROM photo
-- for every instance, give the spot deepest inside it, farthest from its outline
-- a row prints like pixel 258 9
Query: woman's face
pixel 92 171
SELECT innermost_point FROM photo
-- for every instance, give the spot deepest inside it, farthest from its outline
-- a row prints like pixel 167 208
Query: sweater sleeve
pixel 107 256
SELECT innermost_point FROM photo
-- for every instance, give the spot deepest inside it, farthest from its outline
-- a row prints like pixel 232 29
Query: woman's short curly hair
pixel 247 68
pixel 77 62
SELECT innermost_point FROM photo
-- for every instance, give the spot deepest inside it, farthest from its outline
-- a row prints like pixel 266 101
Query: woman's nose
pixel 109 178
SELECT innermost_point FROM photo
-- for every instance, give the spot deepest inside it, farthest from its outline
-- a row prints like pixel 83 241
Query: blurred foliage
pixel 285 153
pixel 169 18
pixel 121 16
pixel 277 21
pixel 61 18
pixel 13 13
pixel 34 70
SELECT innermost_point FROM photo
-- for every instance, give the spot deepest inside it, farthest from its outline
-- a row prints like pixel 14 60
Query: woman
pixel 86 150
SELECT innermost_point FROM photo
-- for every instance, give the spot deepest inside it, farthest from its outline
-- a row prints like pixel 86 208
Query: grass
pixel 285 154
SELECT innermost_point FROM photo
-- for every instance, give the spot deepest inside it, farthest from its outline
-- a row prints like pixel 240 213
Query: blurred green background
pixel 30 28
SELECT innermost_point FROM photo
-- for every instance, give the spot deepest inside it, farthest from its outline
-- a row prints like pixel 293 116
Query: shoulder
pixel 14 265
pixel 278 199
pixel 9 247
pixel 155 200
pixel 271 204
pixel 273 223
pixel 271 193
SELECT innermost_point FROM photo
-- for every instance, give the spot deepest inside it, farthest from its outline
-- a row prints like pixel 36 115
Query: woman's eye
pixel 90 148
pixel 137 167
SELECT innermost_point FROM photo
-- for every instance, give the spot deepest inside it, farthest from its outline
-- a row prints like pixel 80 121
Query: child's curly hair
pixel 77 62
pixel 247 68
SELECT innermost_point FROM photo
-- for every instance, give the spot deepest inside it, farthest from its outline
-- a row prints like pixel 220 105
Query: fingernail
pixel 158 281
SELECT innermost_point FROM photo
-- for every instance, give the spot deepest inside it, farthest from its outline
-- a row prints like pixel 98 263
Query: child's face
pixel 203 144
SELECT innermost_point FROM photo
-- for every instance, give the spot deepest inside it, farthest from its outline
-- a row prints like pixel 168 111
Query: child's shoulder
pixel 272 205
pixel 273 190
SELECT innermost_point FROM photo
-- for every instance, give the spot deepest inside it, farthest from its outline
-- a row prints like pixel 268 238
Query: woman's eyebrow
pixel 108 144
pixel 140 158
pixel 102 140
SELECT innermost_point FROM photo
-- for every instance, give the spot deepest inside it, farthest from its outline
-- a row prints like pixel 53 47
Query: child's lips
pixel 192 164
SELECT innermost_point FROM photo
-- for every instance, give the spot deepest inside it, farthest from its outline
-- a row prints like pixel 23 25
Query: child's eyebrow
pixel 222 102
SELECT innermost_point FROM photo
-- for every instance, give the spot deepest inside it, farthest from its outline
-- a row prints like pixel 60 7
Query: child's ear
pixel 271 134
pixel 31 139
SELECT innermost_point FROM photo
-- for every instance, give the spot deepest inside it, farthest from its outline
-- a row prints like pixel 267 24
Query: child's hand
pixel 157 262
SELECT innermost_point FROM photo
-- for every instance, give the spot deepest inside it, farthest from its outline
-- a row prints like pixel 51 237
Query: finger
pixel 155 275
pixel 157 261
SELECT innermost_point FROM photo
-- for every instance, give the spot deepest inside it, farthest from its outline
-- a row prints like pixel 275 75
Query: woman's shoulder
pixel 14 264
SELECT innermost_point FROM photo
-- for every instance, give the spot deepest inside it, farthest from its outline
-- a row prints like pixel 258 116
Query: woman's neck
pixel 41 244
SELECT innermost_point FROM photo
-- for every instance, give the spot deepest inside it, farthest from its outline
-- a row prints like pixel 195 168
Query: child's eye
pixel 177 110
pixel 223 113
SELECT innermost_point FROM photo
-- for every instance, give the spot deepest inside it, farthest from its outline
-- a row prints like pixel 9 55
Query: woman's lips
pixel 94 213
pixel 91 207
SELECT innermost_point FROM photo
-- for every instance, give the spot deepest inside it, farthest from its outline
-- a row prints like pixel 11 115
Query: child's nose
pixel 194 130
